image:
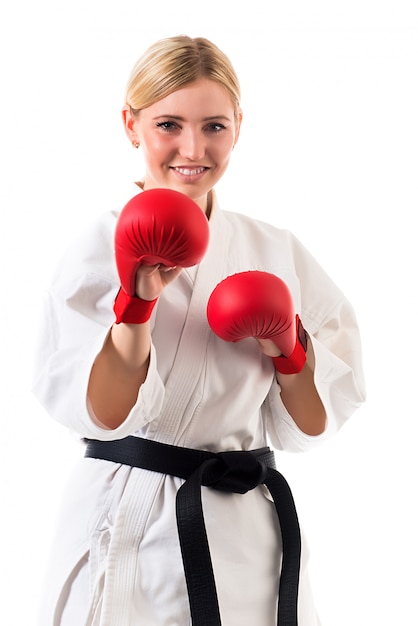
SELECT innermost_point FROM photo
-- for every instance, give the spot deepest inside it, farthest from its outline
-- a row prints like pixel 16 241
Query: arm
pixel 121 366
pixel 299 393
pixel 118 372
pixel 159 232
pixel 75 322
pixel 260 305
pixel 338 374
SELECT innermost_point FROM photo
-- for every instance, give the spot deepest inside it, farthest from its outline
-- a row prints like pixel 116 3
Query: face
pixel 186 138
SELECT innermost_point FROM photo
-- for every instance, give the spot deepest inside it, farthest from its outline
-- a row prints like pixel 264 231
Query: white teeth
pixel 188 172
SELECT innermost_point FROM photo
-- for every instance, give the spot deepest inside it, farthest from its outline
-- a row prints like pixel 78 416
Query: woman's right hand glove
pixel 158 233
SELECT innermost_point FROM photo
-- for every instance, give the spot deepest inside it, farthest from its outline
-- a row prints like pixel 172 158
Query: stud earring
pixel 135 144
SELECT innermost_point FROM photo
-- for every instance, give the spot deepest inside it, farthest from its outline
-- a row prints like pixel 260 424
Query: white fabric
pixel 116 560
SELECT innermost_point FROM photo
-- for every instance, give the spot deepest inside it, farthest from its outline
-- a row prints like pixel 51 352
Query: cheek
pixel 228 144
pixel 224 152
pixel 157 150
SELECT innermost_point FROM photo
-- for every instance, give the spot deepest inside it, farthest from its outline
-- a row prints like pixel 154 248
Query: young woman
pixel 133 546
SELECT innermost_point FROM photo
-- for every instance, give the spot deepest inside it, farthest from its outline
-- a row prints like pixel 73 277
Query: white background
pixel 328 149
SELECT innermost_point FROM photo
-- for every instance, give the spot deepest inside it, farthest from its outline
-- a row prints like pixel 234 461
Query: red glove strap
pixel 294 363
pixel 132 310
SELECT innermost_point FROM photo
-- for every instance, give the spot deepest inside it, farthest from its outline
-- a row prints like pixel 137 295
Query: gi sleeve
pixel 331 323
pixel 75 321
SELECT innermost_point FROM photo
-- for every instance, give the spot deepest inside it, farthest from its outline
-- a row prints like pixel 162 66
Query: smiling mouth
pixel 186 171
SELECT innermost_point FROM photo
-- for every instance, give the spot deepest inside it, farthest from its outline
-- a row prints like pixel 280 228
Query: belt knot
pixel 233 472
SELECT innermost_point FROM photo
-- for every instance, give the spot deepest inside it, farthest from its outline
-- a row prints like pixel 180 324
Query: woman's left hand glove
pixel 260 305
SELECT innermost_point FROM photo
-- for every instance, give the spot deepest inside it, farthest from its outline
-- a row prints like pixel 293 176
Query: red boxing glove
pixel 258 304
pixel 159 226
pixel 156 226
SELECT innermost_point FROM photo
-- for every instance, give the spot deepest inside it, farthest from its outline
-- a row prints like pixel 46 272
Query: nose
pixel 192 145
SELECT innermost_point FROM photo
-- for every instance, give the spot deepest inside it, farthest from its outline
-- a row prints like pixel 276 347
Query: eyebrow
pixel 182 119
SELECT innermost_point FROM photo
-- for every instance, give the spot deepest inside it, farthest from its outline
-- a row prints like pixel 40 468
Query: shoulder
pixel 95 238
pixel 88 260
pixel 263 246
pixel 257 229
pixel 267 241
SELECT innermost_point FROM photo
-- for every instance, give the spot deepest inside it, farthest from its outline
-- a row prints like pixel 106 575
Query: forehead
pixel 202 98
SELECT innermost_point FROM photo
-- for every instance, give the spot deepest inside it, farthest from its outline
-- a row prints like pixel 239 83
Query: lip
pixel 190 172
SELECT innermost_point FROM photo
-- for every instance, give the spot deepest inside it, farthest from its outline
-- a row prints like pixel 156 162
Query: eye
pixel 167 125
pixel 215 127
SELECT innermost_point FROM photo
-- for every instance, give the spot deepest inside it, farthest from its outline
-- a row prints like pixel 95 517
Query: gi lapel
pixel 188 363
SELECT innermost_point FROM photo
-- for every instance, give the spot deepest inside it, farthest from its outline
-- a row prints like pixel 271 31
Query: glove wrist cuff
pixel 132 310
pixel 294 363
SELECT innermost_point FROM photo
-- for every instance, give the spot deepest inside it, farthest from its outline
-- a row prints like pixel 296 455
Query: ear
pixel 129 124
pixel 238 126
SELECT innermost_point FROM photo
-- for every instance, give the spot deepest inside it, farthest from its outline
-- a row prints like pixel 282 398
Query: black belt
pixel 233 472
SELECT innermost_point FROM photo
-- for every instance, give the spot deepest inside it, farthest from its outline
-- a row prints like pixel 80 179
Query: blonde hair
pixel 172 63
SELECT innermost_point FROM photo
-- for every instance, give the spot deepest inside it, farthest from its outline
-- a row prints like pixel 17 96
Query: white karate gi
pixel 116 559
